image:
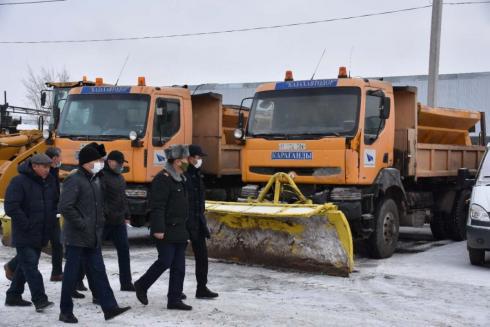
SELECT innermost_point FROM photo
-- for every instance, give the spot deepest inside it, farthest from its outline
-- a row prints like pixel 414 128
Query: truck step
pixel 368 217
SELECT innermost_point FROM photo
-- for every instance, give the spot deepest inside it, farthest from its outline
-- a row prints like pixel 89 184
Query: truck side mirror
pixel 384 112
pixel 240 119
pixel 56 116
pixel 43 98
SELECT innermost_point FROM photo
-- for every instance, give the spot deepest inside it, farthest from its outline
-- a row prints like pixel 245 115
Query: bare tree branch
pixel 35 82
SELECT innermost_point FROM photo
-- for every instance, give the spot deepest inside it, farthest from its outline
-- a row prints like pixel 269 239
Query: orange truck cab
pixel 141 121
pixel 366 146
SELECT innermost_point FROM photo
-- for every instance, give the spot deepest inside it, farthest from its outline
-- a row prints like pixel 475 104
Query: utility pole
pixel 435 46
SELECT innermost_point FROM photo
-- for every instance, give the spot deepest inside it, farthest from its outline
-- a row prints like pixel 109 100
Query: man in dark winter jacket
pixel 168 215
pixel 196 224
pixel 80 285
pixel 82 207
pixel 117 215
pixel 30 201
pixel 56 248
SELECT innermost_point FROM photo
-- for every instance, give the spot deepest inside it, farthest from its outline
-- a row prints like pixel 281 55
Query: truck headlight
pixel 478 213
pixel 136 193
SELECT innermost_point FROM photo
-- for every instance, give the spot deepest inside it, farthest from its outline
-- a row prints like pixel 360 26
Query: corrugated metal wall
pixel 471 90
pixel 466 91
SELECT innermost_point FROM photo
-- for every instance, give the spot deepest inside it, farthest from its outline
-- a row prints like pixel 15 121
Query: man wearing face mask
pixel 82 207
pixel 168 215
pixel 117 215
pixel 196 224
pixel 81 286
pixel 57 249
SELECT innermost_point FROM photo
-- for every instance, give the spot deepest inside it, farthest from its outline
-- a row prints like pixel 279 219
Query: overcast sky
pixel 396 44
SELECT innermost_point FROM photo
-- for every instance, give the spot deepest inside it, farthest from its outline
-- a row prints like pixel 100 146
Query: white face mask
pixel 98 166
pixel 198 163
pixel 58 165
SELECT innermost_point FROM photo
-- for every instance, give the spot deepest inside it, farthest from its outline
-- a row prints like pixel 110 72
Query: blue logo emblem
pixel 160 158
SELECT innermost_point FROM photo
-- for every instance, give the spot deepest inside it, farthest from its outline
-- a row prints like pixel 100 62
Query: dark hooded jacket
pixel 169 206
pixel 82 207
pixel 196 224
pixel 116 206
pixel 31 203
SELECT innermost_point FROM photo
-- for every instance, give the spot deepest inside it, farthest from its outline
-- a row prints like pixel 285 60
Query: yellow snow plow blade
pixel 303 236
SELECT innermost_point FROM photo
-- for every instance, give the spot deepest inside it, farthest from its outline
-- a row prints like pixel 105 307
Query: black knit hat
pixel 117 156
pixel 53 152
pixel 88 154
pixel 195 150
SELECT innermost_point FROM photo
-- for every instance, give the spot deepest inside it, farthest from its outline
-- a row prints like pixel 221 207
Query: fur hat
pixel 177 151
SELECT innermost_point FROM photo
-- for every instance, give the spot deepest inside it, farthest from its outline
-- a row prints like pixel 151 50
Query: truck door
pixel 377 147
pixel 167 129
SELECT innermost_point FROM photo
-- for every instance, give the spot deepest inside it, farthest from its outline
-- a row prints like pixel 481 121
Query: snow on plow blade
pixel 307 237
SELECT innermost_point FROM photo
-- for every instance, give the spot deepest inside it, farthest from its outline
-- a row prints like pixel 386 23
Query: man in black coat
pixel 197 224
pixel 117 215
pixel 82 207
pixel 30 201
pixel 56 248
pixel 168 215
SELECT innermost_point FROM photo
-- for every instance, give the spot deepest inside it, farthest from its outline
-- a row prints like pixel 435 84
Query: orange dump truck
pixel 370 148
pixel 141 121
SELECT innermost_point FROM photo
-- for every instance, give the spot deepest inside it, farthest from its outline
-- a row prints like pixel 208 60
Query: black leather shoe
pixel 183 296
pixel 179 306
pixel 9 273
pixel 56 278
pixel 68 318
pixel 77 295
pixel 205 293
pixel 141 294
pixel 81 287
pixel 112 313
pixel 128 288
pixel 43 305
pixel 95 301
pixel 17 302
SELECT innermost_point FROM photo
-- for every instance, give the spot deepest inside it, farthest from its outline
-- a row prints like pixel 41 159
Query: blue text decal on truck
pixel 284 155
pixel 309 84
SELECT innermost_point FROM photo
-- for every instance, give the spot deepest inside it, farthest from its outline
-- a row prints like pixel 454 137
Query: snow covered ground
pixel 425 283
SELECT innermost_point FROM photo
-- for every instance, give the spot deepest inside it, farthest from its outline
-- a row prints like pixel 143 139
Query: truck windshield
pixel 104 115
pixel 301 112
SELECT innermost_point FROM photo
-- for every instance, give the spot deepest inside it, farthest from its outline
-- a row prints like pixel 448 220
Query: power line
pixel 466 3
pixel 247 29
pixel 28 2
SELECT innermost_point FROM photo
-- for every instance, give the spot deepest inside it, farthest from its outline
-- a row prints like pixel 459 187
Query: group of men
pixel 94 208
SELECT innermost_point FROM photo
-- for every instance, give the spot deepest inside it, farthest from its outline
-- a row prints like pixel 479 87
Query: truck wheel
pixel 477 256
pixel 382 242
pixel 457 223
pixel 438 226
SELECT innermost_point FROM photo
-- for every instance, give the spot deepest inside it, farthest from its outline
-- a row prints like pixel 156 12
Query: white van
pixel 478 226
